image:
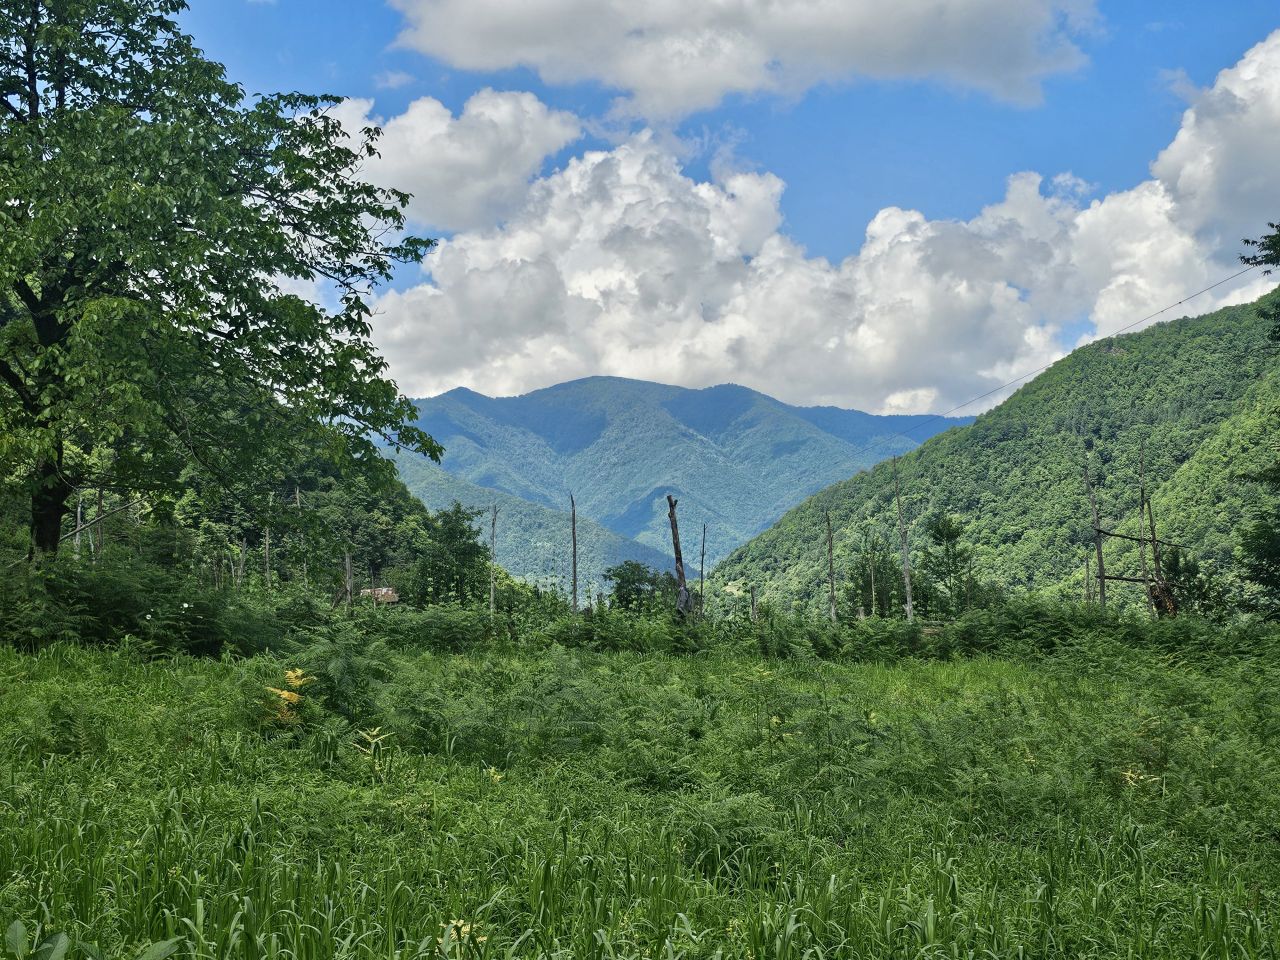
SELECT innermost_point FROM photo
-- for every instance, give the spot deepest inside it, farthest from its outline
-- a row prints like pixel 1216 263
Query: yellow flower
pixel 461 930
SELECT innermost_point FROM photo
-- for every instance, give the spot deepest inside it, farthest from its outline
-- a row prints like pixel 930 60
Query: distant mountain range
pixel 736 459
pixel 1200 395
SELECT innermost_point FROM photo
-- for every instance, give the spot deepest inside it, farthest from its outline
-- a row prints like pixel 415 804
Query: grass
pixel 1099 802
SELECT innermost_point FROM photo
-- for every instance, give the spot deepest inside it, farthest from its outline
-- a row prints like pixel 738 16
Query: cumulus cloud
pixel 621 263
pixel 673 57
pixel 465 171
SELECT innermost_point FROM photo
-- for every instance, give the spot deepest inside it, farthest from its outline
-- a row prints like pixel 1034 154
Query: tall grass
pixel 1100 802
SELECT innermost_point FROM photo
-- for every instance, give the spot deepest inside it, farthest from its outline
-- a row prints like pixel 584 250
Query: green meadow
pixel 357 801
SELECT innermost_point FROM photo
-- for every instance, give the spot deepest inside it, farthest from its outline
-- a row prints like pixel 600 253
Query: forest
pixel 259 700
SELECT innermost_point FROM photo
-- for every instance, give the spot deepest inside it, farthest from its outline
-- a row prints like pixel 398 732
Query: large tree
pixel 153 221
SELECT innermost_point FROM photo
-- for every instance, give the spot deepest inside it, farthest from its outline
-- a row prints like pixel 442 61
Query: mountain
pixel 735 459
pixel 1200 395
pixel 533 541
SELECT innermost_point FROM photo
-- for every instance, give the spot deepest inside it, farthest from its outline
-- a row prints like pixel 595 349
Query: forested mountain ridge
pixel 1193 393
pixel 735 458
pixel 532 540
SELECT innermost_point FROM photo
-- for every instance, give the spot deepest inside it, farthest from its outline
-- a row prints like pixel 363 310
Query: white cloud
pixel 466 171
pixel 393 79
pixel 622 264
pixel 673 57
pixel 1220 170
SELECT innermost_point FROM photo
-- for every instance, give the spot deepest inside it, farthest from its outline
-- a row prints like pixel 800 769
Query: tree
pixel 452 562
pixel 1267 255
pixel 944 566
pixel 152 219
pixel 640 589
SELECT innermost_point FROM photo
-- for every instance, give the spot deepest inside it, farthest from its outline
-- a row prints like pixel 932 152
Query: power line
pixel 1031 373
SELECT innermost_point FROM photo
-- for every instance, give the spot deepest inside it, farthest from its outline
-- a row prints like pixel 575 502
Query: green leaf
pixel 15 939
pixel 158 951
pixel 55 948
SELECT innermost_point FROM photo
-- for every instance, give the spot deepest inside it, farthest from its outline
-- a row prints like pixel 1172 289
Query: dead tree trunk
pixel 493 561
pixel 1097 541
pixel 682 589
pixel 754 613
pixel 702 576
pixel 831 568
pixel 902 541
pixel 573 528
pixel 239 571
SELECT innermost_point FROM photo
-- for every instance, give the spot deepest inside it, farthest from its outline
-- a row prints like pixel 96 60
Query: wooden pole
pixel 902 540
pixel 1097 540
pixel 831 569
pixel 1142 509
pixel 348 580
pixel 702 576
pixel 573 533
pixel 875 551
pixel 682 589
pixel 493 561
pixel 302 535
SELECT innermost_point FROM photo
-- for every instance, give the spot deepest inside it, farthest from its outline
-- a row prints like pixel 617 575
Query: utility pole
pixel 493 561
pixel 702 577
pixel 831 568
pixel 1097 540
pixel 573 528
pixel 902 540
pixel 682 590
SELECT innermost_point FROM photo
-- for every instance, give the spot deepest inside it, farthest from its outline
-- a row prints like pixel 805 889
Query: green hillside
pixel 1194 391
pixel 533 540
pixel 735 458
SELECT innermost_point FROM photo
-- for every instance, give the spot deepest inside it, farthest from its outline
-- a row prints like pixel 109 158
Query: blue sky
pixel 846 149
pixel 707 214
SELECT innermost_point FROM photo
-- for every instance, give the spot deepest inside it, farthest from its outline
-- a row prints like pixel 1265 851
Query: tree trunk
pixel 702 577
pixel 831 568
pixel 48 507
pixel 902 541
pixel 573 525
pixel 682 590
pixel 493 561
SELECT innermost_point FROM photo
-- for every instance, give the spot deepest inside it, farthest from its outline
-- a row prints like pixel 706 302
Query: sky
pixel 893 207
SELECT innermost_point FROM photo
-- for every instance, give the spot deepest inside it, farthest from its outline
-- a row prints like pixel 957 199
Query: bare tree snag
pixel 493 561
pixel 754 613
pixel 1097 540
pixel 902 541
pixel 573 533
pixel 702 576
pixel 682 590
pixel 831 568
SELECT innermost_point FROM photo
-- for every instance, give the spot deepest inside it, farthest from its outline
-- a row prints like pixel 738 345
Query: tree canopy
pixel 155 227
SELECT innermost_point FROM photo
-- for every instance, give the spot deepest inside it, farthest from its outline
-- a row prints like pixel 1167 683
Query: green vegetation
pixel 532 540
pixel 736 459
pixel 258 701
pixel 345 799
pixel 1198 394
